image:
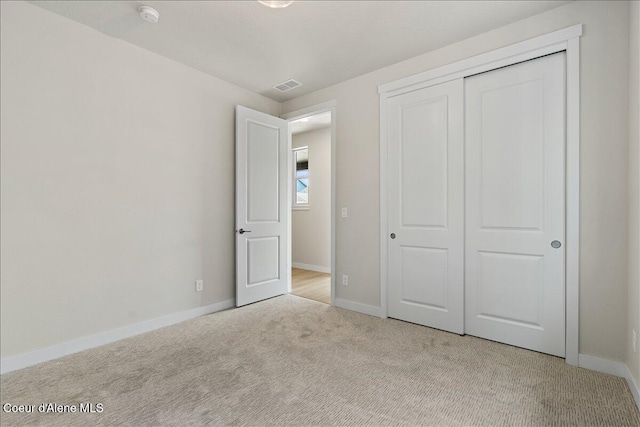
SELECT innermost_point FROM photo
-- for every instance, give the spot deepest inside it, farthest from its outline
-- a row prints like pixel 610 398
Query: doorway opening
pixel 311 177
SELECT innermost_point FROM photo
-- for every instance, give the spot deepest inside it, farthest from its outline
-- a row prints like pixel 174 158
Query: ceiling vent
pixel 288 85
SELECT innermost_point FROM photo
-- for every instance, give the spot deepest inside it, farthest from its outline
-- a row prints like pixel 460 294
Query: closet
pixel 475 208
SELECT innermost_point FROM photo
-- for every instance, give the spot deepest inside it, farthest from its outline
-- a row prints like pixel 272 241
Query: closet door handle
pixel 242 231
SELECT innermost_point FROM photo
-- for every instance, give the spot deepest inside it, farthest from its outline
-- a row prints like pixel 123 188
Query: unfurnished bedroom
pixel 313 213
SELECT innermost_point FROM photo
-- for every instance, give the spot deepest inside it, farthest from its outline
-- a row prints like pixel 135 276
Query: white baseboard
pixel 633 385
pixel 371 310
pixel 24 360
pixel 611 367
pixel 311 267
pixel 606 366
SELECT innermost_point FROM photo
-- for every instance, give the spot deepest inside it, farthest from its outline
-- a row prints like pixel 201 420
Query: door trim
pixel 329 106
pixel 567 40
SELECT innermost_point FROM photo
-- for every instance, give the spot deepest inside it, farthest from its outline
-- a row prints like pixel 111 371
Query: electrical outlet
pixel 345 280
pixel 199 285
pixel 344 212
pixel 634 341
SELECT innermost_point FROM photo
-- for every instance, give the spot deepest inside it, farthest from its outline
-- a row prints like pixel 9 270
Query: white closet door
pixel 515 198
pixel 426 195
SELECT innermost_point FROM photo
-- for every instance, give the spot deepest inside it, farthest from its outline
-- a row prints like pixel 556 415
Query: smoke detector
pixel 149 14
pixel 288 85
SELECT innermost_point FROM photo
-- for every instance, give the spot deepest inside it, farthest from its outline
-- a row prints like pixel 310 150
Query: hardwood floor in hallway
pixel 311 284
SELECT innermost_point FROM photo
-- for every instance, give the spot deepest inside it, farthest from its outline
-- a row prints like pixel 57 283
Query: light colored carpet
pixel 292 361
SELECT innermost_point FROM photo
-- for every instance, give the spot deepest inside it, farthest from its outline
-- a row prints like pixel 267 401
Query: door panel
pixel 497 299
pixel 263 263
pixel 426 191
pixel 423 167
pixel 512 190
pixel 420 266
pixel 263 173
pixel 261 201
pixel 515 139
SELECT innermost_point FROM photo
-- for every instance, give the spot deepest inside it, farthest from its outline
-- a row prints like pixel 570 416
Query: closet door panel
pixel 515 198
pixel 425 172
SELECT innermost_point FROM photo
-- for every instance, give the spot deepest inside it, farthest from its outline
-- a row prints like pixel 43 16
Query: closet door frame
pixel 565 40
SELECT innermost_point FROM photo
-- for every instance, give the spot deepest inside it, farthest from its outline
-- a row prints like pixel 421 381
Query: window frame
pixel 294 199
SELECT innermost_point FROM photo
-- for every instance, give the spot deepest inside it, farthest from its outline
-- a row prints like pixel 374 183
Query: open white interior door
pixel 262 220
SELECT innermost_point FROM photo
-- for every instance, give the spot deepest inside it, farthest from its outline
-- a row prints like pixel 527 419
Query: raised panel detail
pixel 423 170
pixel 511 144
pixel 263 169
pixel 510 287
pixel 263 260
pixel 424 276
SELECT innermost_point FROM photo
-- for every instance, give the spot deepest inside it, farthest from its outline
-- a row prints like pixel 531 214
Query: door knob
pixel 555 244
pixel 393 235
pixel 242 231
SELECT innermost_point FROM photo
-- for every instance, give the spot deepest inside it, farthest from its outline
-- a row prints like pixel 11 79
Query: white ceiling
pixel 307 124
pixel 318 43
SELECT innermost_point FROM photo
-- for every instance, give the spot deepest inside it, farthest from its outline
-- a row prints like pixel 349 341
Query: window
pixel 301 177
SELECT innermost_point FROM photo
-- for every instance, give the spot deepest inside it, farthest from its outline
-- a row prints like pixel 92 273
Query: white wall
pixel 117 181
pixel 633 359
pixel 311 229
pixel 604 151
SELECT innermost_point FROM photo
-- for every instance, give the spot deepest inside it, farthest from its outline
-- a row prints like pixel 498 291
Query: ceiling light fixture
pixel 149 14
pixel 275 4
